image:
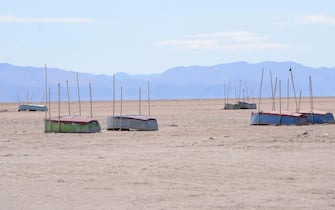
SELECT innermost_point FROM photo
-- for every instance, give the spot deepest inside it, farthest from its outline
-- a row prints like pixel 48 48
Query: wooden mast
pixel 78 95
pixel 68 96
pixel 148 98
pixel 260 91
pixel 295 96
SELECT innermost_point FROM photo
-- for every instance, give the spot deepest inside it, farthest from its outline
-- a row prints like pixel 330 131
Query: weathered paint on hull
pixel 245 105
pixel 129 123
pixel 32 107
pixel 231 106
pixel 319 118
pixel 269 118
pixel 240 105
pixel 74 127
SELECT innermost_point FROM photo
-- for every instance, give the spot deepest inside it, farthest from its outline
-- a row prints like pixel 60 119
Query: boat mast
pixel 272 92
pixel 260 91
pixel 280 96
pixel 139 100
pixel 148 98
pixel 89 84
pixel 59 106
pixel 288 93
pixel 46 88
pixel 113 95
pixel 295 96
pixel 49 104
pixel 78 95
pixel 121 109
pixel 68 96
pixel 311 93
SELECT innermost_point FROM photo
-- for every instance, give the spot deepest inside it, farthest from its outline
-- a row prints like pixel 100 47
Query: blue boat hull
pixel 319 118
pixel 272 118
pixel 32 107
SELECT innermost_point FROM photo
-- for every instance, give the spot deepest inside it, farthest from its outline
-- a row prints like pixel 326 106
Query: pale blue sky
pixel 150 36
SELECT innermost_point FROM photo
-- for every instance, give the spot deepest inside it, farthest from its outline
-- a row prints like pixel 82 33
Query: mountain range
pixel 230 80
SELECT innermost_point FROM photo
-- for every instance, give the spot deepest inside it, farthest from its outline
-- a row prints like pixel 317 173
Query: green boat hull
pixel 73 127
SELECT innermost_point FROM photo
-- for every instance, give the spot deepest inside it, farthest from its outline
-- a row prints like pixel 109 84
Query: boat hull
pixel 140 123
pixel 76 125
pixel 246 105
pixel 32 107
pixel 318 117
pixel 240 105
pixel 272 118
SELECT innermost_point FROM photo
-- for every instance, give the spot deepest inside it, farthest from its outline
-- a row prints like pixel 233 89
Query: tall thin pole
pixel 280 102
pixel 246 89
pixel 79 103
pixel 280 96
pixel 260 91
pixel 239 91
pixel 121 109
pixel 59 107
pixel 46 88
pixel 113 95
pixel 288 94
pixel 299 101
pixel 68 96
pixel 272 92
pixel 228 91
pixel 148 98
pixel 139 100
pixel 49 104
pixel 311 93
pixel 91 107
pixel 225 93
pixel 295 96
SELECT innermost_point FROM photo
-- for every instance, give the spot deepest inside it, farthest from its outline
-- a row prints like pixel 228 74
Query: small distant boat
pixel 132 122
pixel 71 124
pixel 318 117
pixel 32 107
pixel 246 105
pixel 277 118
pixel 231 106
pixel 240 105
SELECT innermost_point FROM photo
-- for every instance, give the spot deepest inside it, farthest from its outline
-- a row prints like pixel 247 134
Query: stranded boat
pixel 71 124
pixel 277 118
pixel 132 122
pixel 240 105
pixel 318 117
pixel 32 107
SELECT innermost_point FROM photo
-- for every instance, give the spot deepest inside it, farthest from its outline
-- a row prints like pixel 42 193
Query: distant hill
pixel 239 79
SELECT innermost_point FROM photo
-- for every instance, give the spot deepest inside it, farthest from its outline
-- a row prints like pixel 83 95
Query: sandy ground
pixel 202 157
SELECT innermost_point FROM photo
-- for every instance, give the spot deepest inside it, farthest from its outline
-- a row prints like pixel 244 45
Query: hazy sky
pixel 150 36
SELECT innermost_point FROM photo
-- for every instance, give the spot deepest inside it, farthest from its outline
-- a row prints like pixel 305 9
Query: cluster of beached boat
pixel 79 124
pixel 297 117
